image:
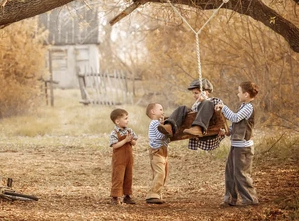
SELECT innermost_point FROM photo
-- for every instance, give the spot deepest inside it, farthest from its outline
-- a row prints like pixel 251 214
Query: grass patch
pixel 68 117
pixel 221 153
pixel 29 126
pixel 283 147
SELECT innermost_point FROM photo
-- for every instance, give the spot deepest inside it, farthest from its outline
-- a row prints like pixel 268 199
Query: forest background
pixel 154 44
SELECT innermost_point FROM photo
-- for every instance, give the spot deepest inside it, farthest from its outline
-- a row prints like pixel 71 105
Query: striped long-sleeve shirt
pixel 244 112
pixel 156 139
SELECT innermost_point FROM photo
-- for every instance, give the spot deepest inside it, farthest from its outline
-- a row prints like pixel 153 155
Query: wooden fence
pixel 104 88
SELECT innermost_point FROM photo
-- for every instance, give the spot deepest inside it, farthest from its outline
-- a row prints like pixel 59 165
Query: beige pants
pixel 158 162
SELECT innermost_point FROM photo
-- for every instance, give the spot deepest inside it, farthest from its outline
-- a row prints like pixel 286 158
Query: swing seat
pixel 217 122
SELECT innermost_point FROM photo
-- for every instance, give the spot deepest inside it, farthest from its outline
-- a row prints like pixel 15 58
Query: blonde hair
pixel 149 108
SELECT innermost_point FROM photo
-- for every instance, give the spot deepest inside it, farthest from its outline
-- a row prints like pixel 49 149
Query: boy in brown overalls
pixel 121 140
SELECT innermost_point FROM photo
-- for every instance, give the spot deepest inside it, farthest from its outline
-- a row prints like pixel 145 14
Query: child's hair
pixel 149 108
pixel 116 113
pixel 249 87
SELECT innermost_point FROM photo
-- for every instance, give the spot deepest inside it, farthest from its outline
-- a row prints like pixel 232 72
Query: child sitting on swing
pixel 204 106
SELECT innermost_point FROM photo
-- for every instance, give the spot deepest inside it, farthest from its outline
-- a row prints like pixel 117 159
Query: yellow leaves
pixel 272 20
pixel 22 62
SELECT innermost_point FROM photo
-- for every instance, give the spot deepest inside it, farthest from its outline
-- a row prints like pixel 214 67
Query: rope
pixel 197 38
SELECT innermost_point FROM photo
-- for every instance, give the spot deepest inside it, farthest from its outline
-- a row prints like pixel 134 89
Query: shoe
pixel 227 204
pixel 249 204
pixel 195 130
pixel 154 201
pixel 115 201
pixel 128 200
pixel 165 129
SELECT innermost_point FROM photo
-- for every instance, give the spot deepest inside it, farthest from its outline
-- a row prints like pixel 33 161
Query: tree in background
pixel 247 50
pixel 233 49
pixel 21 64
pixel 250 40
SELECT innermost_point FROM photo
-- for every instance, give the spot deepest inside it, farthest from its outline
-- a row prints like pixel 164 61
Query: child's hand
pixel 161 119
pixel 218 107
pixel 221 132
pixel 129 138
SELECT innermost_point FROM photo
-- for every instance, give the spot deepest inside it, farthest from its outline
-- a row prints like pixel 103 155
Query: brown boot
pixel 165 129
pixel 128 200
pixel 194 130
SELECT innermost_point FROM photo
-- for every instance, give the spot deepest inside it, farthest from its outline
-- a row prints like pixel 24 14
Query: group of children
pixel 238 180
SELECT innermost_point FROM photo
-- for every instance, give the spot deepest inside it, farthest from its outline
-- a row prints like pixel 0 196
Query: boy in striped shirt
pixel 238 179
pixel 158 143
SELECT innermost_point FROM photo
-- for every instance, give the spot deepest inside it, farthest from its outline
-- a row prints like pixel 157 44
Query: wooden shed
pixel 73 39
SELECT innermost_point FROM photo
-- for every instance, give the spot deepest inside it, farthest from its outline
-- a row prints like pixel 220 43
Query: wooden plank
pixel 96 82
pixel 116 88
pixel 123 83
pixel 108 99
pixel 51 79
pixel 101 84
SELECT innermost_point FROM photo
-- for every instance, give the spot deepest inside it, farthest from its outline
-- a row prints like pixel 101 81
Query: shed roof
pixel 74 24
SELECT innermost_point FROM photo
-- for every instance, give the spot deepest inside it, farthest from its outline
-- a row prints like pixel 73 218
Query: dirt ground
pixel 72 181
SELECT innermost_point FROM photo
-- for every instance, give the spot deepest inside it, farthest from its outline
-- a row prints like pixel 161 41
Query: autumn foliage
pixel 233 48
pixel 22 63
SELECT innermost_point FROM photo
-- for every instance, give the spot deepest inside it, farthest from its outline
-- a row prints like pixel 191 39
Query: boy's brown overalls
pixel 122 169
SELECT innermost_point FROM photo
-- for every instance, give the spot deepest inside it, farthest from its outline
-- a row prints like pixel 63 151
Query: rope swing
pixel 197 37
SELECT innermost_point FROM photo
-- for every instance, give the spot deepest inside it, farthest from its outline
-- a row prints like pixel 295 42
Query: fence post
pixel 51 79
pixel 82 85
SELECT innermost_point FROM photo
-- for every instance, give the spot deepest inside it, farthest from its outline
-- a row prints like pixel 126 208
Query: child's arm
pixel 244 113
pixel 154 132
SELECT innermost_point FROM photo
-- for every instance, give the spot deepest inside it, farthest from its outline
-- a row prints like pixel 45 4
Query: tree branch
pixel 255 9
pixel 14 11
pixel 274 143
